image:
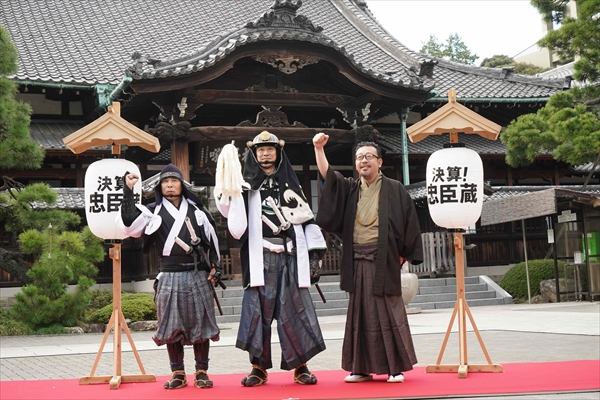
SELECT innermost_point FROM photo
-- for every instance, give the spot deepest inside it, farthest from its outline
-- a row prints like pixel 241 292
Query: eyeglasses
pixel 368 156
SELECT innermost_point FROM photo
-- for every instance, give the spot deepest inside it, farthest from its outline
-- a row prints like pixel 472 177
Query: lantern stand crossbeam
pixel 461 309
pixel 116 324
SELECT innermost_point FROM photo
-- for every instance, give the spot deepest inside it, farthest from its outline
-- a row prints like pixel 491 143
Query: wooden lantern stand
pixel 116 323
pixel 462 309
pixel 453 118
pixel 112 130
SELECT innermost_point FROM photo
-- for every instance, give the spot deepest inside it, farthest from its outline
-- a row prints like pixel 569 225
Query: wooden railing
pixel 438 255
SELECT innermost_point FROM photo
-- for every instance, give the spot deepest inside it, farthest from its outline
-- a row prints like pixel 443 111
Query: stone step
pixel 434 293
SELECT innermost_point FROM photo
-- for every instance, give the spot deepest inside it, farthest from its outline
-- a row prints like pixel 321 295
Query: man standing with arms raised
pixel 378 223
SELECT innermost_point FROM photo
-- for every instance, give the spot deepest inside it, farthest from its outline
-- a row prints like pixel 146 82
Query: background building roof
pixel 89 43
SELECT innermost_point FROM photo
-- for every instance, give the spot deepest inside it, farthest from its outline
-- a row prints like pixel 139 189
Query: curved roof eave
pixel 220 48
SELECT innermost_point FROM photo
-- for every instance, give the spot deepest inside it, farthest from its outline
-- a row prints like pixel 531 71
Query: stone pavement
pixel 512 333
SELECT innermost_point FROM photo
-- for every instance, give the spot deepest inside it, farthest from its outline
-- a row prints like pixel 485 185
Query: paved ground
pixel 511 333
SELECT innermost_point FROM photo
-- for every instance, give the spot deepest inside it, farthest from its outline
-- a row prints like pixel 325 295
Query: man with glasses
pixel 380 229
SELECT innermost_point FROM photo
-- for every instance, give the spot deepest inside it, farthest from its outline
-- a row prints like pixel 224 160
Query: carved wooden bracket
pixel 272 117
pixel 167 133
pixel 270 83
pixel 286 63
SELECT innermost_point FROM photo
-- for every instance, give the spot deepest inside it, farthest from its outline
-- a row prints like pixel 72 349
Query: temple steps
pixel 434 293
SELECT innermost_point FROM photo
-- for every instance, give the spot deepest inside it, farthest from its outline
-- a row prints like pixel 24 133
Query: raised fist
pixel 131 179
pixel 320 140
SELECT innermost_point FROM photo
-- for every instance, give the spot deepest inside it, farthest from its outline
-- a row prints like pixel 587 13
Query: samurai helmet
pixel 266 138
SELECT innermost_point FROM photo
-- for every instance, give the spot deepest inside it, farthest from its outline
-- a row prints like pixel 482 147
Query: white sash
pixel 179 216
pixel 255 248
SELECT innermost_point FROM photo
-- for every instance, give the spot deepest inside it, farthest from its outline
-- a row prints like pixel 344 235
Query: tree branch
pixel 11 262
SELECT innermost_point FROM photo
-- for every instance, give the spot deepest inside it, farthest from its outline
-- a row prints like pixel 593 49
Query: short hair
pixel 369 144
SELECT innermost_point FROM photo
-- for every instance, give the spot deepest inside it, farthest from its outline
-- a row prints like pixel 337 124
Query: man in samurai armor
pixel 184 234
pixel 281 254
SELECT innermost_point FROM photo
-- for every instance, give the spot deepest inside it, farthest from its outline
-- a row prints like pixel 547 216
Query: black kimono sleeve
pixel 332 203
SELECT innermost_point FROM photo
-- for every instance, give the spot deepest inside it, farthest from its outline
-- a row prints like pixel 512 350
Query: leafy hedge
pixel 515 279
pixel 135 306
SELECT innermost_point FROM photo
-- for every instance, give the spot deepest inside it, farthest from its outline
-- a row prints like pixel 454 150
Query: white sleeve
pixel 237 219
pixel 137 228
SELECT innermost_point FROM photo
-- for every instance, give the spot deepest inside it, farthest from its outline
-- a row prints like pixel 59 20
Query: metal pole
pixel 526 263
pixel 405 172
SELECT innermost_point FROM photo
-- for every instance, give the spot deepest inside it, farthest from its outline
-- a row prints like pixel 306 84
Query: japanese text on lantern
pixel 108 195
pixel 451 185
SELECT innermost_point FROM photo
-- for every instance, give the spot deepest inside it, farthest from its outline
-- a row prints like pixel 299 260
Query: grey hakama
pixel 281 299
pixel 185 309
pixel 377 339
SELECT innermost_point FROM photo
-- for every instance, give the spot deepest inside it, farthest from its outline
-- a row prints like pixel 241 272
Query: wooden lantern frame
pixel 112 130
pixel 454 118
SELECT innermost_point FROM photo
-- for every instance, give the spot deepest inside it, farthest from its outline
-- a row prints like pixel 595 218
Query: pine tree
pixel 50 256
pixel 568 126
pixel 16 147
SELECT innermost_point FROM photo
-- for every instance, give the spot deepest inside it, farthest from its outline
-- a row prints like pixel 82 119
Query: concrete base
pixel 413 310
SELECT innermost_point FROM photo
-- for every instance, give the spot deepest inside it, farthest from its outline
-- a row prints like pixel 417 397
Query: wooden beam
pixel 279 99
pixel 245 133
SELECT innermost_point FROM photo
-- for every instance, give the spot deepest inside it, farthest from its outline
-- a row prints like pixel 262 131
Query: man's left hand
pixel 215 274
pixel 315 270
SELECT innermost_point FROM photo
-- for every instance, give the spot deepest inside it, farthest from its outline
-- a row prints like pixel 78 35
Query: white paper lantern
pixel 455 187
pixel 104 193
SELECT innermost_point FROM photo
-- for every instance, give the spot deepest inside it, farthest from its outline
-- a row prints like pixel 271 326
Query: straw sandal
pixel 256 377
pixel 177 381
pixel 303 376
pixel 201 380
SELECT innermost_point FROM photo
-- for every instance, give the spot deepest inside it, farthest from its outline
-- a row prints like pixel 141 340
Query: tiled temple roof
pixel 90 43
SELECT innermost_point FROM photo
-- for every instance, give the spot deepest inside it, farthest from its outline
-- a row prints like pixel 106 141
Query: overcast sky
pixel 487 27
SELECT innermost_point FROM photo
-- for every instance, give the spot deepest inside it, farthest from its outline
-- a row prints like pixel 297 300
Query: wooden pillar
pixel 180 157
pixel 79 175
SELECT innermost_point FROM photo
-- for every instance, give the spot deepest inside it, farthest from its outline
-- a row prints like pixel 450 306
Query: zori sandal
pixel 177 381
pixel 256 377
pixel 201 380
pixel 303 376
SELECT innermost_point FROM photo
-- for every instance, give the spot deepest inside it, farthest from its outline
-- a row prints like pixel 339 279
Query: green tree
pixel 568 126
pixel 576 37
pixel 61 258
pixel 521 68
pixel 49 256
pixel 454 49
pixel 16 147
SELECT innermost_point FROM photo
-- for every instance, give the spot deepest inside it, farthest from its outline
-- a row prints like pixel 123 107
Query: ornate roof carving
pixel 286 63
pixel 283 14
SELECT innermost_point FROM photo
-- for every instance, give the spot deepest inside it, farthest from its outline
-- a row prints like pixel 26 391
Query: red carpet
pixel 516 378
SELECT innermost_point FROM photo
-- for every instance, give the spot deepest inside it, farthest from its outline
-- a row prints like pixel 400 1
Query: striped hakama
pixel 281 299
pixel 377 339
pixel 185 309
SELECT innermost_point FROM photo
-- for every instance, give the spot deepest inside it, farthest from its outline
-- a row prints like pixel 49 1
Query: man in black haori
pixel 281 256
pixel 184 234
pixel 378 223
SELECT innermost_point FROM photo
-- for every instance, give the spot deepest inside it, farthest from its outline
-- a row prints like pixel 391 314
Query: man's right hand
pixel 131 179
pixel 320 140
